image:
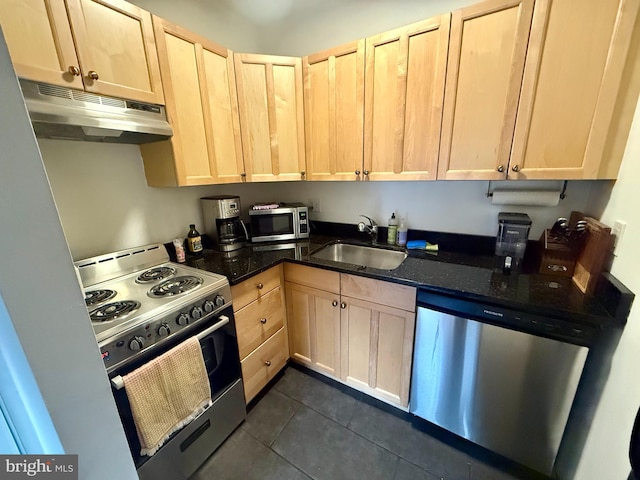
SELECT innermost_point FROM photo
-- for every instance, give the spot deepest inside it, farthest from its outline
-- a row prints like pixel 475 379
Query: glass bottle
pixel 194 240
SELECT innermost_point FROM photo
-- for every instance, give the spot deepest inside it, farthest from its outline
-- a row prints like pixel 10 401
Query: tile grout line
pixel 287 422
pixel 270 446
pixel 346 427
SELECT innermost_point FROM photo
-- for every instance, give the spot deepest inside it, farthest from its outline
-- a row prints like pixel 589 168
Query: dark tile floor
pixel 306 428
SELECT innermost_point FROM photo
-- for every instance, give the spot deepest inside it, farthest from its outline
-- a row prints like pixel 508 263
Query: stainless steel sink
pixel 359 255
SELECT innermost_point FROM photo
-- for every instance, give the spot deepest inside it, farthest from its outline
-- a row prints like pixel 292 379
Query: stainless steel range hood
pixel 63 113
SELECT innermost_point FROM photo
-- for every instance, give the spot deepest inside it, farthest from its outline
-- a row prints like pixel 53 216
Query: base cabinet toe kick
pixel 509 390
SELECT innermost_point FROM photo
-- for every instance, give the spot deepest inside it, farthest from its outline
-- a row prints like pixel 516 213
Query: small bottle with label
pixel 178 244
pixel 402 233
pixel 392 229
pixel 194 240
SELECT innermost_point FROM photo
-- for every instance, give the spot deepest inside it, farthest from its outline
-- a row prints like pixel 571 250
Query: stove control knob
pixel 136 343
pixel 219 300
pixel 183 319
pixel 164 330
pixel 196 313
pixel 208 306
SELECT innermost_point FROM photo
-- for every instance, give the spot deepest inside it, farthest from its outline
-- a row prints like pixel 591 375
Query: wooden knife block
pixel 556 257
pixel 591 259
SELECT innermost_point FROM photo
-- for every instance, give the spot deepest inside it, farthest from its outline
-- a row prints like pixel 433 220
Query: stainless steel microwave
pixel 288 221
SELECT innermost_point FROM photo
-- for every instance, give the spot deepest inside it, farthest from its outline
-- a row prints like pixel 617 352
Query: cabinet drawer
pixel 263 364
pixel 259 320
pixel 246 292
pixel 378 291
pixel 312 277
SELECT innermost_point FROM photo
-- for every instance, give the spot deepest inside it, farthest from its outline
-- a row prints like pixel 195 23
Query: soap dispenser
pixel 392 229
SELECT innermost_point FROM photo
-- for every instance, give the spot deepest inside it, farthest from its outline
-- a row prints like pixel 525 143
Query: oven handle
pixel 117 381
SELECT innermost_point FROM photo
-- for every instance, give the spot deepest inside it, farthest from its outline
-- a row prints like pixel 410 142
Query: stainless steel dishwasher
pixel 505 382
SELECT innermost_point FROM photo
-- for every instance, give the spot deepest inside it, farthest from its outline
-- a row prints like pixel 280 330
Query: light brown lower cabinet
pixel 376 349
pixel 315 328
pixel 357 330
pixel 261 326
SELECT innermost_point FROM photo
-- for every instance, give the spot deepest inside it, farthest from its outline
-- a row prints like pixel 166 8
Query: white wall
pixel 294 27
pixel 105 204
pixel 606 451
pixel 217 20
pixel 45 302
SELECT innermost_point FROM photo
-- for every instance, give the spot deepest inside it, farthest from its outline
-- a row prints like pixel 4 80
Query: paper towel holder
pixel 563 193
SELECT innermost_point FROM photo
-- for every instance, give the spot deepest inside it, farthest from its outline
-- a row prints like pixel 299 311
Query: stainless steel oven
pixel 141 305
pixel 181 456
pixel 279 222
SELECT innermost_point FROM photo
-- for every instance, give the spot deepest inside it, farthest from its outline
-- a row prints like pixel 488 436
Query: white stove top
pixel 119 273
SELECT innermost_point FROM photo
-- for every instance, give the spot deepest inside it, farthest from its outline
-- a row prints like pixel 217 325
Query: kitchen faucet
pixel 371 229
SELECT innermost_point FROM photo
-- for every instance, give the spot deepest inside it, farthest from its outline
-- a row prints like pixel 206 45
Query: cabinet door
pixel 377 345
pixel 220 97
pixel 40 42
pixel 484 76
pixel 405 74
pixel 184 159
pixel 572 79
pixel 313 318
pixel 116 48
pixel 201 104
pixel 334 112
pixel 271 116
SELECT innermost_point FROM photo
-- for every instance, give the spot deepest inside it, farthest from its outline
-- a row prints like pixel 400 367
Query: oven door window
pixel 268 225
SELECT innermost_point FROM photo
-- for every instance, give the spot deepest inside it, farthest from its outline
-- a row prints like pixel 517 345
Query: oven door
pixel 273 225
pixel 188 448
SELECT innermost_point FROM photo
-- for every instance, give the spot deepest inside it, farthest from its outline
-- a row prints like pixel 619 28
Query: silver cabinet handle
pixel 260 286
pixel 343 305
pixel 268 363
pixel 263 321
pixel 515 168
pixel 93 75
pixel 334 303
pixel 500 168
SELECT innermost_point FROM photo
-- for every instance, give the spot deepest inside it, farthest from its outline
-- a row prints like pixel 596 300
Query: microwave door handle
pixel 117 381
pixel 246 234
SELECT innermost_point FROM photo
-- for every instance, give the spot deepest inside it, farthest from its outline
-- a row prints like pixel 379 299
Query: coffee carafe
pixel 222 222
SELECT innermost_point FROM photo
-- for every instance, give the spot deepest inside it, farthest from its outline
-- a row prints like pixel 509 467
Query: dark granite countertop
pixel 469 272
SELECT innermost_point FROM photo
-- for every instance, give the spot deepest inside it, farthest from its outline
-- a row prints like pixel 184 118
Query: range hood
pixel 63 113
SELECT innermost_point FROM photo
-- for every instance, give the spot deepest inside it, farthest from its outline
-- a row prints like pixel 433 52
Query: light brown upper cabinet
pixel 39 38
pixel 577 102
pixel 404 90
pixel 202 106
pixel 484 74
pixel 270 100
pixel 334 112
pixel 114 53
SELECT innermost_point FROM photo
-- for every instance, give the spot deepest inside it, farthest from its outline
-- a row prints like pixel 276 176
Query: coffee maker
pixel 222 222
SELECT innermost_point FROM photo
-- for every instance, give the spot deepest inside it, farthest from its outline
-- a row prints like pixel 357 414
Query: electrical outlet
pixel 618 231
pixel 314 205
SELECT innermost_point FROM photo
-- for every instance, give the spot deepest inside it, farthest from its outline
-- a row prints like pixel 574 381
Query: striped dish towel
pixel 167 393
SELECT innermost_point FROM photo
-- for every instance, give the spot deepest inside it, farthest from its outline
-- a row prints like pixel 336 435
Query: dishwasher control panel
pixel 563 330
